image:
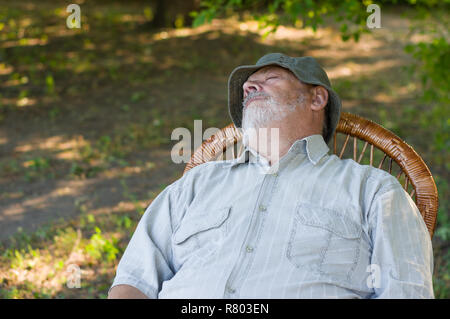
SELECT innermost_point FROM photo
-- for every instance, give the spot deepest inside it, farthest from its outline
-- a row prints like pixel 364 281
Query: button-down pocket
pixel 324 241
pixel 201 232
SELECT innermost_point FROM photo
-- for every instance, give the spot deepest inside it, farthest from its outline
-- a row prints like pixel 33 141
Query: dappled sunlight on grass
pixel 24 42
pixel 38 267
pixel 42 144
pixel 25 102
pixel 39 202
pixel 3 140
pixel 62 148
pixel 45 270
pixel 5 69
pixel 347 69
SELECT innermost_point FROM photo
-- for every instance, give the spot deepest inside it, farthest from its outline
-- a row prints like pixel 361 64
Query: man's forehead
pixel 270 68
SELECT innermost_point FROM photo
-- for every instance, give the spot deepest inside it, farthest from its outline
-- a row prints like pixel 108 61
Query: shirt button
pixel 249 249
pixel 231 290
pixel 262 208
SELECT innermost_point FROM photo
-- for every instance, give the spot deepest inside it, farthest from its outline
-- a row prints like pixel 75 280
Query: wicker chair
pixel 403 162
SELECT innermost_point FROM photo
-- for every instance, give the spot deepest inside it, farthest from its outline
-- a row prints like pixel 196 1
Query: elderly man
pixel 314 227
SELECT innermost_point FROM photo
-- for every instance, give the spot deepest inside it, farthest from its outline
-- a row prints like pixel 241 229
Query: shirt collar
pixel 314 146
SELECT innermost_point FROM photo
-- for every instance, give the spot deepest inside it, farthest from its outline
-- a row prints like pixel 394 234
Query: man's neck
pixel 273 149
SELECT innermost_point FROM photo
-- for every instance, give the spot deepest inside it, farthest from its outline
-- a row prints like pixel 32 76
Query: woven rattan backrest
pixel 379 148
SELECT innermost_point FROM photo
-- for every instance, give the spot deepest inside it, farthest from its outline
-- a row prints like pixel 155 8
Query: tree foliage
pixel 350 14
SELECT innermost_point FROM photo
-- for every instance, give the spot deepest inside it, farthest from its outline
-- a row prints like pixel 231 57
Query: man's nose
pixel 250 87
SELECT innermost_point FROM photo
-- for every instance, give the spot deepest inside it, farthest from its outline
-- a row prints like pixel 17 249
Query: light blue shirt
pixel 317 227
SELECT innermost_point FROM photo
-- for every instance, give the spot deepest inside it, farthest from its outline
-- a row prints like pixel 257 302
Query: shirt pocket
pixel 201 232
pixel 324 241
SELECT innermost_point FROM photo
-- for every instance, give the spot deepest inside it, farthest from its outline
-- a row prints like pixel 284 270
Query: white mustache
pixel 253 95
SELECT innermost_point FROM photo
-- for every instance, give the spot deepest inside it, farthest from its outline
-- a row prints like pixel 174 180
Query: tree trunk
pixel 160 20
pixel 166 13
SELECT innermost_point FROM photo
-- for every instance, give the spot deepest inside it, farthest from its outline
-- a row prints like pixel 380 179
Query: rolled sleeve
pixel 402 251
pixel 146 262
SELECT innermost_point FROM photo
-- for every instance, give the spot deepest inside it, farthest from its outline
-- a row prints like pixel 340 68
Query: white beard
pixel 261 113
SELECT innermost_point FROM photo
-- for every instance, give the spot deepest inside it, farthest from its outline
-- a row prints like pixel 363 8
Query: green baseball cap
pixel 306 69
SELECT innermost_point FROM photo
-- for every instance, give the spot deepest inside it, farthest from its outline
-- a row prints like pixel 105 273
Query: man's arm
pixel 402 248
pixel 125 292
pixel 147 260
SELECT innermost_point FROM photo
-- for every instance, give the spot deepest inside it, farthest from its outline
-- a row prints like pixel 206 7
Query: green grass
pixel 35 265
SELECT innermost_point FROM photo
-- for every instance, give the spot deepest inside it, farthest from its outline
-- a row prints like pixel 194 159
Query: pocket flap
pixel 331 220
pixel 201 222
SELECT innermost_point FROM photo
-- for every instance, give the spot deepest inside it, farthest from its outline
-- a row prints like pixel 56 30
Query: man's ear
pixel 319 98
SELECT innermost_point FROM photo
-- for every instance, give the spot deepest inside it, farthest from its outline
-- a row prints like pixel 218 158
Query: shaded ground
pixel 86 117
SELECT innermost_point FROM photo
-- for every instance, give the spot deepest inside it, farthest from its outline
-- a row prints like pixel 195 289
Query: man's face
pixel 271 94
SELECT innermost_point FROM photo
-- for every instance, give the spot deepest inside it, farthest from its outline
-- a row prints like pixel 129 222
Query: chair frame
pixel 411 164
